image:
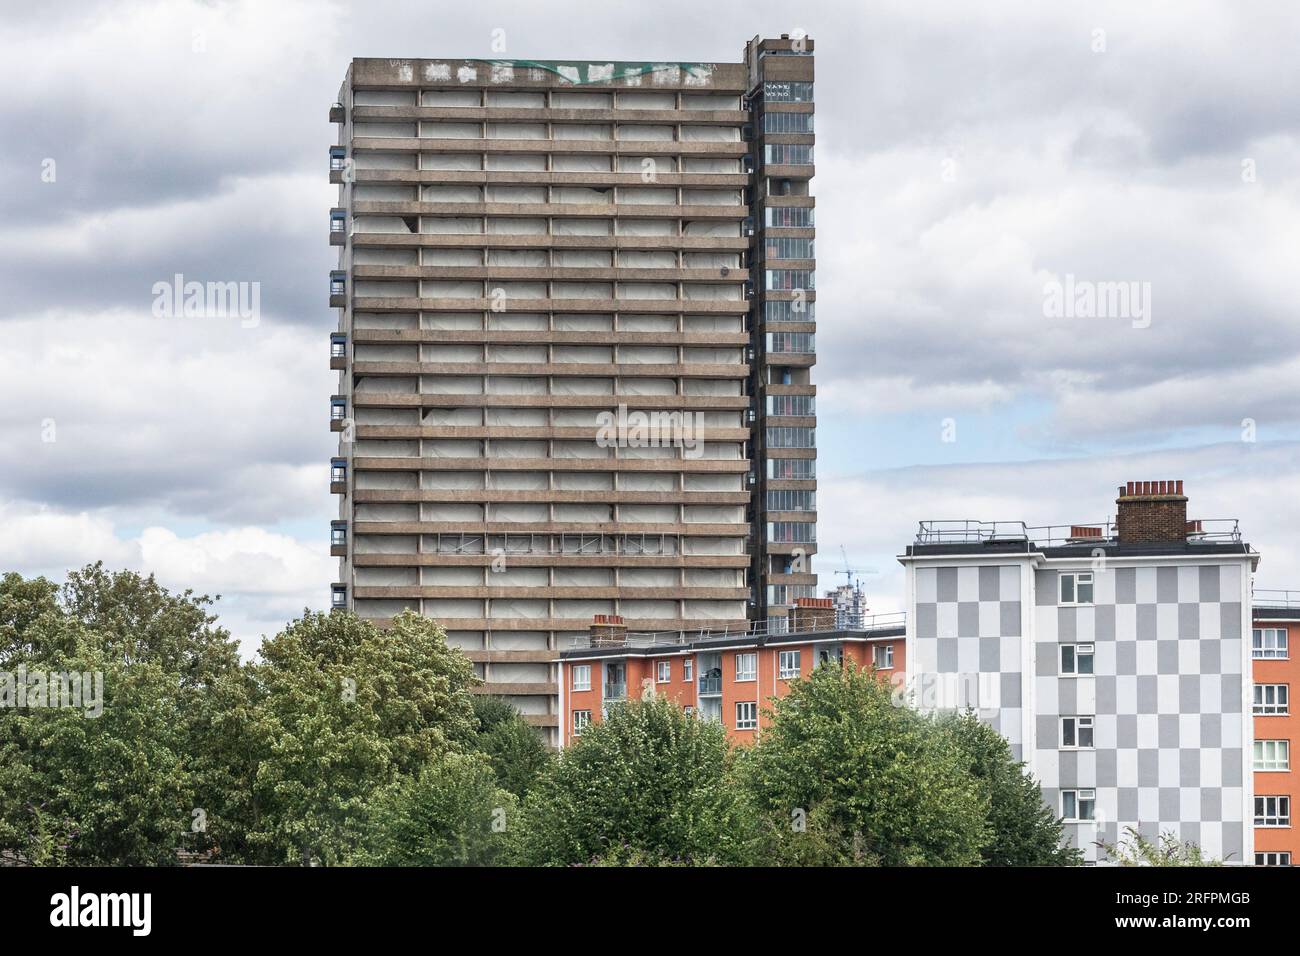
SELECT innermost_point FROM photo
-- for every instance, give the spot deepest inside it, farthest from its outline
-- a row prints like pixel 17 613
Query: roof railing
pixel 1095 533
pixel 1272 597
pixel 641 639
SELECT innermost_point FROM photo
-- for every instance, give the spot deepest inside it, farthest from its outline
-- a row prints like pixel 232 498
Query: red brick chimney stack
pixel 1151 512
pixel 608 629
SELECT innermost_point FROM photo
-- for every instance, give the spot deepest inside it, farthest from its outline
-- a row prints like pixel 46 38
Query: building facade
pixel 1114 657
pixel 575 324
pixel 728 677
pixel 1275 671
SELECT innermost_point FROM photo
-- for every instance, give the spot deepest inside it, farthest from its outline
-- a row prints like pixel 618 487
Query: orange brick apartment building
pixel 1274 671
pixel 727 676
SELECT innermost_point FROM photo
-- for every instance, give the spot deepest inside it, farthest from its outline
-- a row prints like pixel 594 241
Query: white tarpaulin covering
pixel 713 514
pixel 506 448
pixel 579 449
pixel 381 192
pixel 386 511
pixel 383 320
pixel 711 197
pixel 450 352
pixel 377 352
pixel 711 260
pixel 710 101
pixel 583 481
pixel 450 226
pixel 385 577
pixel 647 577
pixel 383 98
pixel 648 453
pixel 454 161
pixel 575 417
pixel 517 162
pixel 519 640
pixel 591 354
pixel 647 386
pixel 516 131
pixel 639 164
pixel 533 258
pixel 647 354
pixel 588 131
pixel 711 386
pixel 519 673
pixel 711 545
pixel 715 578
pixel 368 160
pixel 647 259
pixel 715 610
pixel 647 514
pixel 514 607
pixel 581 227
pixel 518 480
pixel 647 227
pixel 465 640
pixel 384 544
pixel 516 227
pixel 387 384
pixel 385 480
pixel 580 163
pixel 647 101
pixel 516 511
pixel 706 482
pixel 389 130
pixel 517 290
pixel 453 416
pixel 712 229
pixel 383 256
pixel 708 356
pixel 517 321
pixel 451 385
pixel 530 194
pixel 437 129
pixel 711 323
pixel 710 134
pixel 450 98
pixel 588 512
pixel 451 511
pixel 451 289
pixel 644 196
pixel 450 321
pixel 582 194
pixel 517 417
pixel 658 291
pixel 584 323
pixel 582 258
pixel 655 610
pixel 584 578
pixel 451 192
pixel 708 292
pixel 372 608
pixel 438 608
pixel 646 134
pixel 574 100
pixel 509 577
pixel 452 257
pixel 385 225
pixel 582 386
pixel 377 288
pixel 515 385
pixel 386 448
pixel 631 322
pixel 582 290
pixel 450 576
pixel 582 609
pixel 710 164
pixel 721 451
pixel 516 353
pixel 451 480
pixel 516 99
pixel 452 448
pixel 646 481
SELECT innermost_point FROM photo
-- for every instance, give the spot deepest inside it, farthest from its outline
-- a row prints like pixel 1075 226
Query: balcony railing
pixel 616 691
pixel 710 685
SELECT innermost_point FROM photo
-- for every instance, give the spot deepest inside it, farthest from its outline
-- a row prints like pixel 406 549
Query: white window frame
pixel 751 672
pixel 1280 815
pixel 688 669
pixel 1079 726
pixel 1077 651
pixel 1076 579
pixel 1280 705
pixel 788 665
pixel 1280 762
pixel 1279 858
pixel 1079 801
pixel 751 722
pixel 1280 649
pixel 581 721
pixel 883 652
pixel 663 672
pixel 581 669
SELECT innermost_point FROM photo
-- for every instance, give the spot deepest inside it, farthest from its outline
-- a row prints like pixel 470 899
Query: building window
pixel 582 677
pixel 1078 805
pixel 1076 659
pixel 1272 811
pixel 787 155
pixel 663 672
pixel 1273 858
pixel 338 471
pixel 688 710
pixel 1272 755
pixel 746 715
pixel 581 721
pixel 793 91
pixel 1269 644
pixel 1272 699
pixel 789 217
pixel 787 665
pixel 798 469
pixel 830 655
pixel 787 280
pixel 787 122
pixel 688 669
pixel 746 667
pixel 1076 733
pixel 791 500
pixel 339 598
pixel 1076 588
pixel 882 655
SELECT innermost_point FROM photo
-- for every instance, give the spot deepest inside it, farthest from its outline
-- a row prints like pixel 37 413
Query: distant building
pixel 850 603
pixel 1275 672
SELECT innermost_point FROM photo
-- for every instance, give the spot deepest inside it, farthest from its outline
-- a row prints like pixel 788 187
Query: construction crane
pixel 853 616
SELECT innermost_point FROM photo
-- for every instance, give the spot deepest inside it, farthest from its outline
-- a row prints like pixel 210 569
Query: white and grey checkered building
pixel 1115 659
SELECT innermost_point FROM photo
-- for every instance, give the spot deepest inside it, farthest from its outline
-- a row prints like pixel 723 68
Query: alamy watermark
pixel 1086 299
pixel 624 429
pixel 53 689
pixel 178 299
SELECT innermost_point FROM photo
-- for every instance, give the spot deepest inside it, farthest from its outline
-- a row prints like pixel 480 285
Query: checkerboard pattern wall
pixel 969 622
pixel 1167 700
pixel 1167 693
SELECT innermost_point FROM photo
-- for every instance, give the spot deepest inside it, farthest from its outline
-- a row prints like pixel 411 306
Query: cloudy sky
pixel 967 159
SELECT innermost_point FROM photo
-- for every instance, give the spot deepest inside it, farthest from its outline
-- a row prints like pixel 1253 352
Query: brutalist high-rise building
pixel 575 337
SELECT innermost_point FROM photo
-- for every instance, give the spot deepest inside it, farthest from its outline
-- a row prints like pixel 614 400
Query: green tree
pixel 512 746
pixel 879 780
pixel 1136 850
pixel 451 814
pixel 647 784
pixel 339 710
pixel 1023 831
